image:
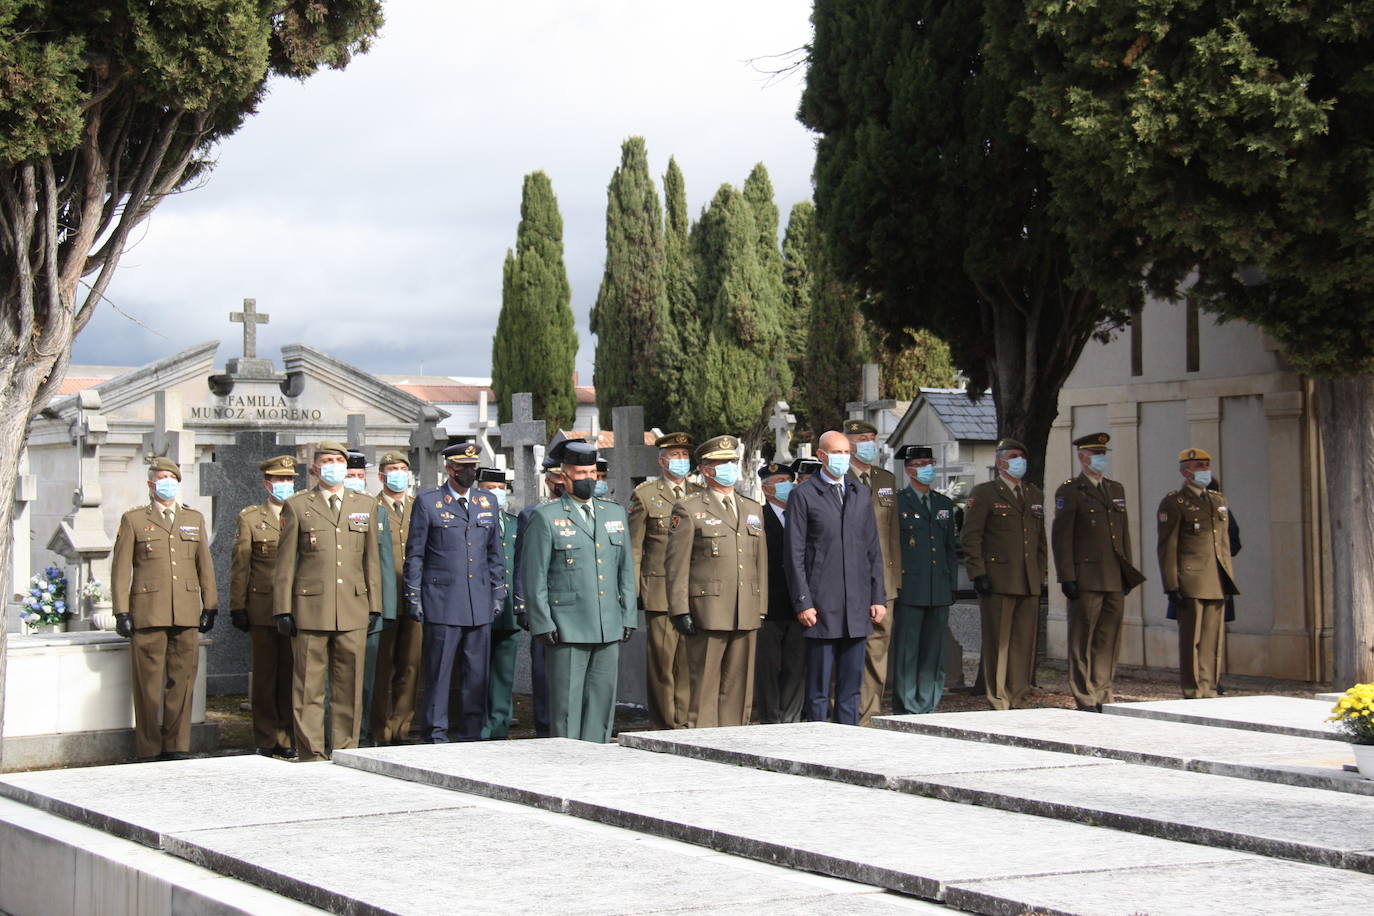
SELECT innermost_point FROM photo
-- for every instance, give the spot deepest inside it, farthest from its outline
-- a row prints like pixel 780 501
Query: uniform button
pixel 601 577
pixel 174 562
pixel 603 593
pixel 598 559
pixel 339 546
pixel 340 581
pixel 340 563
pixel 741 566
pixel 174 578
pixel 469 575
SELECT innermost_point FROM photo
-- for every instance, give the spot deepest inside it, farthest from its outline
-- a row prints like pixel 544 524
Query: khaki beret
pixel 721 448
pixel 1004 444
pixel 673 440
pixel 393 458
pixel 1194 454
pixel 330 447
pixel 1093 442
pixel 858 427
pixel 164 464
pixel 463 453
pixel 280 466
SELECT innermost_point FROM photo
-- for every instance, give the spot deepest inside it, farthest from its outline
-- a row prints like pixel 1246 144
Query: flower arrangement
pixel 46 601
pixel 94 592
pixel 1354 712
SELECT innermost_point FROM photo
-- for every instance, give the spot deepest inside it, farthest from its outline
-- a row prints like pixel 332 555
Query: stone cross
pixel 630 460
pixel 357 436
pixel 481 429
pixel 250 318
pixel 169 438
pixel 89 432
pixel 522 435
pixel 426 442
pixel 782 423
pixel 21 556
pixel 870 407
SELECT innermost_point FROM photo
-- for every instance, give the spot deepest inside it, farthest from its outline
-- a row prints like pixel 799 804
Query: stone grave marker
pixel 630 460
pixel 522 435
pixel 782 423
pixel 426 442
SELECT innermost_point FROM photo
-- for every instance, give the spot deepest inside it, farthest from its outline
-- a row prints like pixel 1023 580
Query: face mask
pixel 397 481
pixel 502 497
pixel 1097 464
pixel 583 489
pixel 333 474
pixel 679 467
pixel 925 475
pixel 727 474
pixel 782 490
pixel 356 484
pixel 282 490
pixel 867 452
pixel 167 488
pixel 601 489
pixel 1202 478
pixel 837 465
pixel 464 475
pixel 1016 468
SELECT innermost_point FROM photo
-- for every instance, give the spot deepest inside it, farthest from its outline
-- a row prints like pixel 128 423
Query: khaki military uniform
pixel 162 576
pixel 329 577
pixel 717 566
pixel 669 679
pixel 884 486
pixel 1195 560
pixel 1004 539
pixel 250 589
pixel 400 646
pixel 1092 546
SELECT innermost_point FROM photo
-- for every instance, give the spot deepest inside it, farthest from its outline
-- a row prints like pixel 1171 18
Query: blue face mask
pixel 925 475
pixel 679 467
pixel 167 488
pixel 502 497
pixel 867 452
pixel 334 473
pixel 601 489
pixel 1016 468
pixel 782 490
pixel 356 484
pixel 397 481
pixel 1202 478
pixel 837 465
pixel 282 490
pixel 727 474
pixel 1097 464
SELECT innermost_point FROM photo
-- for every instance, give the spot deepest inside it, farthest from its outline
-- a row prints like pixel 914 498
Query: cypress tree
pixel 631 310
pixel 837 346
pixel 772 305
pixel 683 332
pixel 797 283
pixel 536 342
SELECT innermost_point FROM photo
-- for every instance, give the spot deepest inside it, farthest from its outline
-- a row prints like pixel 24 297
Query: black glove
pixel 522 620
pixel 549 639
pixel 1174 595
pixel 414 613
pixel 207 621
pixel 286 624
pixel 240 620
pixel 124 625
pixel 629 631
pixel 982 585
pixel 685 624
pixel 1070 589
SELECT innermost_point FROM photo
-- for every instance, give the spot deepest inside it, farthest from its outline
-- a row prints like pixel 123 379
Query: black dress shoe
pixel 153 759
pixel 174 755
pixel 267 751
pixel 285 753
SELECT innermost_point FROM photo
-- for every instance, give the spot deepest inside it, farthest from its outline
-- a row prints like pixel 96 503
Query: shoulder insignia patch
pixel 1163 516
pixel 1059 502
pixel 677 520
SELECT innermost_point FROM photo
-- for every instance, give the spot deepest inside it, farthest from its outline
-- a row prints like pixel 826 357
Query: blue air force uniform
pixel 505 632
pixel 455 582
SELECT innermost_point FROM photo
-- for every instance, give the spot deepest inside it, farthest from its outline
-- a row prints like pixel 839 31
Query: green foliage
pixel 798 254
pixel 535 346
pixel 1236 139
pixel 684 335
pixel 912 361
pixel 630 316
pixel 837 345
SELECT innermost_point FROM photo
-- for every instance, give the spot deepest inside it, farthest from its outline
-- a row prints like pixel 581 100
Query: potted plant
pixel 1354 712
pixel 101 609
pixel 44 608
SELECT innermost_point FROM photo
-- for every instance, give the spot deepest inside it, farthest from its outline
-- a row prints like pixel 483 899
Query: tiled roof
pixel 72 384
pixel 439 390
pixel 606 438
pixel 966 420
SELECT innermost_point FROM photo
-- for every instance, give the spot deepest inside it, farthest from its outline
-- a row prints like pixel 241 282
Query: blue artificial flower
pixel 60 605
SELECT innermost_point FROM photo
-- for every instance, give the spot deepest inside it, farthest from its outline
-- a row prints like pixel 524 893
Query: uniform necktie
pixel 587 511
pixel 925 503
pixel 839 492
pixel 677 492
pixel 169 514
pixel 463 504
pixel 730 510
pixel 863 478
pixel 334 504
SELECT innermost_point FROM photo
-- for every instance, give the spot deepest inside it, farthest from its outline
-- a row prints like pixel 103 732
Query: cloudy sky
pixel 368 211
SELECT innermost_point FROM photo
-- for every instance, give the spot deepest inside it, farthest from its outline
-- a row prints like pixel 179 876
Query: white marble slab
pixel 1277 715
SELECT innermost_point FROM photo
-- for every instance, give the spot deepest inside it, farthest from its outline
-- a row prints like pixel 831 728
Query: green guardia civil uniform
pixel 579 581
pixel 930 568
pixel 505 643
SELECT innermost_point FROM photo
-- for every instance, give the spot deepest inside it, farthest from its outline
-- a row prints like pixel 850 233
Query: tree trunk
pixel 1346 408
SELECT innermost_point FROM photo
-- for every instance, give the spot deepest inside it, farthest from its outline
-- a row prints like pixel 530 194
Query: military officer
pixel 250 602
pixel 863 438
pixel 397 679
pixel 1092 557
pixel 804 468
pixel 1195 569
pixel 780 653
pixel 326 591
pixel 1006 556
pixel 164 595
pixel 539 683
pixel 651 506
pixel 579 589
pixel 603 485
pixel 455 584
pixel 717 565
pixel 930 568
pixel 505 632
pixel 356 478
